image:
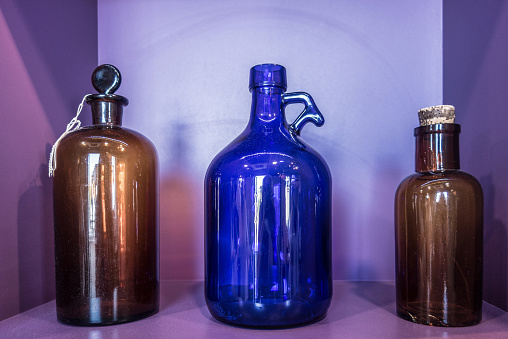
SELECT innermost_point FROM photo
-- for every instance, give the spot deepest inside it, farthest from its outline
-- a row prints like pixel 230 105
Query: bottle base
pixel 271 314
pixel 459 317
pixel 104 321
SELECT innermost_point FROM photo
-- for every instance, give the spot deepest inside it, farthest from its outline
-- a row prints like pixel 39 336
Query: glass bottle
pixel 106 216
pixel 439 230
pixel 268 216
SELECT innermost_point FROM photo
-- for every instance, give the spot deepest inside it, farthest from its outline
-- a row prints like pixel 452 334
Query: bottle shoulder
pixel 96 139
pixel 443 181
pixel 111 133
pixel 261 154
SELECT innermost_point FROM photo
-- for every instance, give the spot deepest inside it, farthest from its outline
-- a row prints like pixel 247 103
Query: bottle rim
pixel 272 75
pixel 437 128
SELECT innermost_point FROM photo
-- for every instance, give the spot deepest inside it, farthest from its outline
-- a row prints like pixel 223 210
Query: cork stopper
pixel 442 114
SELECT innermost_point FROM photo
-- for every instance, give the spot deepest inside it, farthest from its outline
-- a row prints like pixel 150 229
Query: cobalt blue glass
pixel 268 216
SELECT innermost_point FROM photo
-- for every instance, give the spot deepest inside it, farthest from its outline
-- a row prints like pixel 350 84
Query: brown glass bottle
pixel 106 216
pixel 439 235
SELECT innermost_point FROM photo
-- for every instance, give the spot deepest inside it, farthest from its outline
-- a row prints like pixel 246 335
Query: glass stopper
pixel 106 79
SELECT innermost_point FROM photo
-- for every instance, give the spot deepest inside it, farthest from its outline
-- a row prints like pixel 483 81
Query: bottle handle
pixel 310 114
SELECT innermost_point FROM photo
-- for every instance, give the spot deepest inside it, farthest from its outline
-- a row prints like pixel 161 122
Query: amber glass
pixel 106 222
pixel 439 235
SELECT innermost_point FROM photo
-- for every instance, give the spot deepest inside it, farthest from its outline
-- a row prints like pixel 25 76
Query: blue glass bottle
pixel 268 216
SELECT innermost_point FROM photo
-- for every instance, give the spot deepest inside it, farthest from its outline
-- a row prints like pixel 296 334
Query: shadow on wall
pixel 59 51
pixel 181 218
pixel 363 225
pixel 35 243
pixel 468 27
pixel 474 54
pixel 181 233
pixel 495 253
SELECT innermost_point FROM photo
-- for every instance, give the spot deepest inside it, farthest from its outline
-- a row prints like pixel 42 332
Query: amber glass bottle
pixel 439 230
pixel 106 216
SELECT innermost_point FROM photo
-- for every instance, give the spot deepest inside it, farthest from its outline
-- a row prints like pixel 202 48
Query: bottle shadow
pixel 495 253
pixel 181 252
pixel 35 243
pixel 181 218
pixel 379 293
pixel 180 230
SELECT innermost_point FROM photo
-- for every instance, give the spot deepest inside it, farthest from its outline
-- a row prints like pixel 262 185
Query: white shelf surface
pixel 358 310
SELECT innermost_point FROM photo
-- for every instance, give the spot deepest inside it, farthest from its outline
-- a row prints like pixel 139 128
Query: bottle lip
pixel 107 97
pixel 272 75
pixel 437 128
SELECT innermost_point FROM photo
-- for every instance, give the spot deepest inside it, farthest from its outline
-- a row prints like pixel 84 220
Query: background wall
pixel 476 82
pixel 48 50
pixel 369 65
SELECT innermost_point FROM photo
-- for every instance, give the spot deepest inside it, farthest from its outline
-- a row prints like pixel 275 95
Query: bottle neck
pixel 106 113
pixel 266 107
pixel 437 148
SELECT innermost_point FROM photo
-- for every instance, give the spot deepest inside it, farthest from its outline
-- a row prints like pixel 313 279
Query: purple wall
pixel 476 82
pixel 48 51
pixel 370 65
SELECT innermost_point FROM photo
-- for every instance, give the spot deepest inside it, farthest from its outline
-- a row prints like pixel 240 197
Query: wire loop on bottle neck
pixel 73 125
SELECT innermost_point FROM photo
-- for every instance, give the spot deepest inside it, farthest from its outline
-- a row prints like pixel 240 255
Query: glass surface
pixel 268 221
pixel 439 236
pixel 106 219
